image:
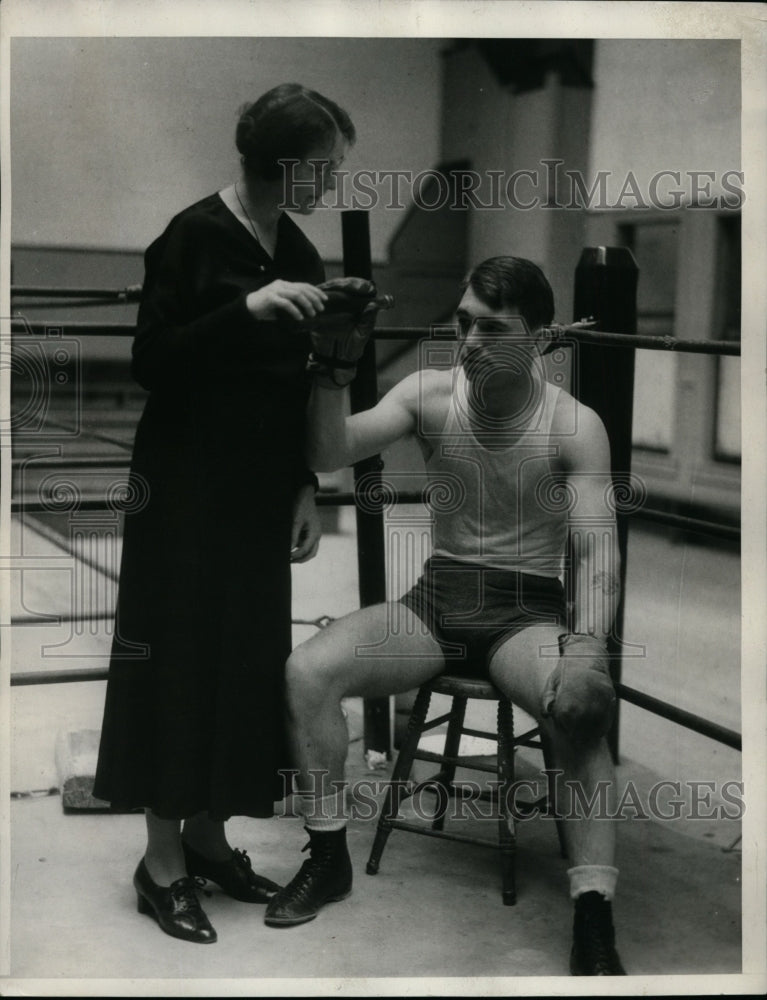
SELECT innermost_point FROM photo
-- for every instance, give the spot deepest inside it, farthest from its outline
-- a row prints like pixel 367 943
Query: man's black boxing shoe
pixel 325 877
pixel 593 952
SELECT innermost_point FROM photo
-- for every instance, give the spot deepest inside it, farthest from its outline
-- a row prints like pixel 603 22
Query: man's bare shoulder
pixel 425 394
pixel 428 380
pixel 578 431
pixel 424 388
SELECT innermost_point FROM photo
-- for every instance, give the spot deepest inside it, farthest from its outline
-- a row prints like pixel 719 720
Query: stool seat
pixel 443 783
pixel 465 687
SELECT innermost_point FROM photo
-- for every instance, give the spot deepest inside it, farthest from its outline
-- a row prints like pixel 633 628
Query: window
pixel 654 245
pixel 726 443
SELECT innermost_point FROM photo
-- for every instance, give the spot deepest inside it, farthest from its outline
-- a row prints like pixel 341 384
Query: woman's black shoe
pixel 176 907
pixel 235 876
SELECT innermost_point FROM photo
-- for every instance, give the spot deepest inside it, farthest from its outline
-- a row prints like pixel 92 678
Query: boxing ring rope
pixel 416 333
pixel 683 522
pixel 371 555
pixel 131 293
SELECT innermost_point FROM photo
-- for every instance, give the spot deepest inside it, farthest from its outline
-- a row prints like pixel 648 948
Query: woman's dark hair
pixel 514 283
pixel 287 123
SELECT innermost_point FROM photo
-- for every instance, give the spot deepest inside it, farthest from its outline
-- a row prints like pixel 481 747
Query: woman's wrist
pixel 310 483
pixel 251 303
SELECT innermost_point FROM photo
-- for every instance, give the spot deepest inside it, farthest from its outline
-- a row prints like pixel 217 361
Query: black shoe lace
pixel 596 946
pixel 242 860
pixel 301 882
pixel 320 852
pixel 184 894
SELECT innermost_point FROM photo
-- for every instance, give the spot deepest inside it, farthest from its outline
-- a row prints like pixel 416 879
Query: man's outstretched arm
pixel 334 439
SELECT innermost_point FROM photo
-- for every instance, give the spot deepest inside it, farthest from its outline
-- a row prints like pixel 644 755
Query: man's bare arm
pixel 578 693
pixel 593 535
pixel 336 440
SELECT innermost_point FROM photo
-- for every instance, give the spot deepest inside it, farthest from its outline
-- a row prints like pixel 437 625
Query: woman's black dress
pixel 193 718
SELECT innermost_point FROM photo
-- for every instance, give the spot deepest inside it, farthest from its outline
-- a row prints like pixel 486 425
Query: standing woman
pixel 193 721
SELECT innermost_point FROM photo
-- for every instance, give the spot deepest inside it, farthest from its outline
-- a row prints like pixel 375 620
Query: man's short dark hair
pixel 515 284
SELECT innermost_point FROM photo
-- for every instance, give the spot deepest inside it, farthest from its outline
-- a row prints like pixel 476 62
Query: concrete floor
pixel 434 910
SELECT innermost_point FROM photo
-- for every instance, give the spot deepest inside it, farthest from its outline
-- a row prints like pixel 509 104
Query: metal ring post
pixel 371 555
pixel 605 287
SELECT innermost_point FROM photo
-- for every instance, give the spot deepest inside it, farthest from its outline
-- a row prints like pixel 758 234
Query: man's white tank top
pixel 498 508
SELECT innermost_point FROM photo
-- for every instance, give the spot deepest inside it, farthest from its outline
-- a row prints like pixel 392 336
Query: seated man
pixel 529 468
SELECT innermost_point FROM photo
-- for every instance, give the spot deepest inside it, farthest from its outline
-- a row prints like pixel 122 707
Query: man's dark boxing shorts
pixel 472 610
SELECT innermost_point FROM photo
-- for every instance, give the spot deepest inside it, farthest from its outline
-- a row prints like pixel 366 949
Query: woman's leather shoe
pixel 235 876
pixel 175 907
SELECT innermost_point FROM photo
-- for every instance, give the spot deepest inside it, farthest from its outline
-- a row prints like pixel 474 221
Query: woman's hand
pixel 296 299
pixel 306 526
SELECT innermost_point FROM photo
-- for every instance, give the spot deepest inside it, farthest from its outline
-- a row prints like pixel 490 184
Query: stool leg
pixel 446 776
pixel 507 837
pixel 548 763
pixel 400 774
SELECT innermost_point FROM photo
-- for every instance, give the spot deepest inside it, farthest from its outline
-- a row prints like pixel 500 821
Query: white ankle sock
pixel 325 813
pixel 593 878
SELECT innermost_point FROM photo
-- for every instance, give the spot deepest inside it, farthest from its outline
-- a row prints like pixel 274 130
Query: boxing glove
pixel 579 694
pixel 340 333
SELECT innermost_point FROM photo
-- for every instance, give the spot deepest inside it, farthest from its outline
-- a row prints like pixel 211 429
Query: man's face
pixel 495 343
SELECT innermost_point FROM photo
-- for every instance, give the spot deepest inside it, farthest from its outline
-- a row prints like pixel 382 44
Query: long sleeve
pixel 198 347
pixel 184 317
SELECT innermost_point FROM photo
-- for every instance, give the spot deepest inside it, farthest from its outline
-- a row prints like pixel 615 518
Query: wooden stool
pixel 443 782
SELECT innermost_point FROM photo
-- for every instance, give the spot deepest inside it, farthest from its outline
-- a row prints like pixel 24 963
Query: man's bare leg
pixel 371 653
pixel 520 669
pixel 375 652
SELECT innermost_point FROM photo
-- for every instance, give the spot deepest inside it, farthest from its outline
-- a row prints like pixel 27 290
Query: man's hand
pixel 579 694
pixel 339 339
pixel 306 533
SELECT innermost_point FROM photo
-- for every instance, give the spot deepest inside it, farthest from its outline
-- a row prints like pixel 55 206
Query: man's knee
pixel 579 695
pixel 573 747
pixel 521 666
pixel 307 673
